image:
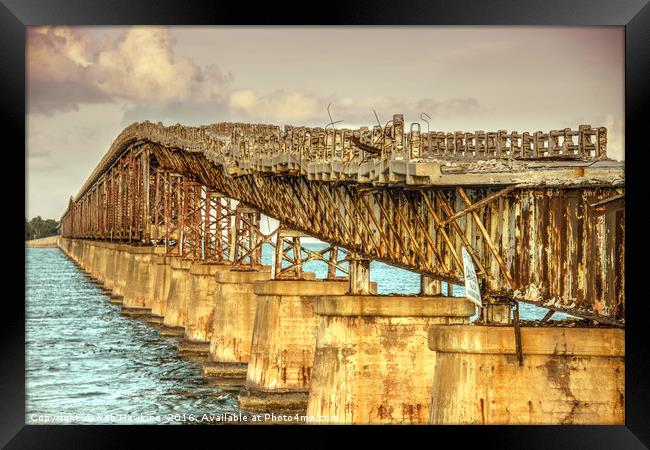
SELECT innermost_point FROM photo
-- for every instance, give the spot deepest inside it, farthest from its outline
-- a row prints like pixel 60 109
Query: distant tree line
pixel 38 227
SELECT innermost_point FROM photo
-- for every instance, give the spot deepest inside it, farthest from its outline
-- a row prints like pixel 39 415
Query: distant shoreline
pixel 50 241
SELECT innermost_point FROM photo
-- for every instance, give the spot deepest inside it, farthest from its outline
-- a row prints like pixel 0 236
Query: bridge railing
pixel 231 144
pixel 393 142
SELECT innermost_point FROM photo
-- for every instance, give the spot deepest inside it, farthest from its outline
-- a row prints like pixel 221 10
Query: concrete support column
pixel 86 260
pixel 176 309
pixel 162 270
pixel 430 286
pixel 91 257
pixel 109 275
pixel 103 261
pixel 140 281
pixel 71 249
pixel 569 375
pixel 282 350
pixel 121 269
pixel 372 362
pixel 498 313
pixel 201 303
pixel 76 252
pixel 104 254
pixel 359 275
pixel 96 260
pixel 233 321
pixel 80 252
pixel 83 254
pixel 133 285
pixel 150 274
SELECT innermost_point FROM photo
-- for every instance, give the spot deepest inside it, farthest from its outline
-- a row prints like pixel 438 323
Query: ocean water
pixel 83 358
pixel 85 363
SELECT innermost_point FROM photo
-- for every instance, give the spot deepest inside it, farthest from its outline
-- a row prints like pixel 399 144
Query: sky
pixel 86 84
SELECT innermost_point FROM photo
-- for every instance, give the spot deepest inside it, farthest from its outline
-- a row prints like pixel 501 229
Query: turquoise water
pixel 84 358
pixel 85 363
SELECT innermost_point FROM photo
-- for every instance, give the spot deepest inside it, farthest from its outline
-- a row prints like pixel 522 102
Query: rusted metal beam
pixel 479 204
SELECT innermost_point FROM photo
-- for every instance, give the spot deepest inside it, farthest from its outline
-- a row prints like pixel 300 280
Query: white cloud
pixel 138 68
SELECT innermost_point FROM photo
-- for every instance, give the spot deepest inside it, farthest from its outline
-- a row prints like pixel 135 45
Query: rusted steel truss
pixel 545 245
pixel 246 251
pixel 291 256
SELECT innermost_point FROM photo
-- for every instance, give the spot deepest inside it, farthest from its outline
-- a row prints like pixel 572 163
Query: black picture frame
pixel 16 15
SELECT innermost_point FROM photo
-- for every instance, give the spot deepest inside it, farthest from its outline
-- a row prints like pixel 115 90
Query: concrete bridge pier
pixel 86 256
pixel 91 247
pixel 78 251
pixel 97 272
pixel 101 254
pixel 372 363
pixel 105 263
pixel 121 270
pixel 79 259
pixel 176 309
pixel 100 265
pixel 162 276
pixel 111 266
pixel 282 348
pixel 130 273
pixel 568 375
pixel 232 324
pixel 74 251
pixel 87 260
pixel 94 267
pixel 430 286
pixel 202 286
pixel 83 254
pixel 140 280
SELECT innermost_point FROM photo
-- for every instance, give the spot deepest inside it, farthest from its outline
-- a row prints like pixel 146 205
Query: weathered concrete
pixel 162 276
pixel 569 375
pixel 111 268
pixel 90 257
pixel 83 254
pixel 372 362
pixel 201 302
pixel 121 268
pixel 135 284
pixel 150 275
pixel 86 256
pixel 97 254
pixel 140 284
pixel 104 262
pixel 233 321
pixel 283 343
pixel 176 309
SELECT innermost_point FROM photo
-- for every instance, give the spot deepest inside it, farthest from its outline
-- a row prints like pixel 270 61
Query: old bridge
pixel 540 213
